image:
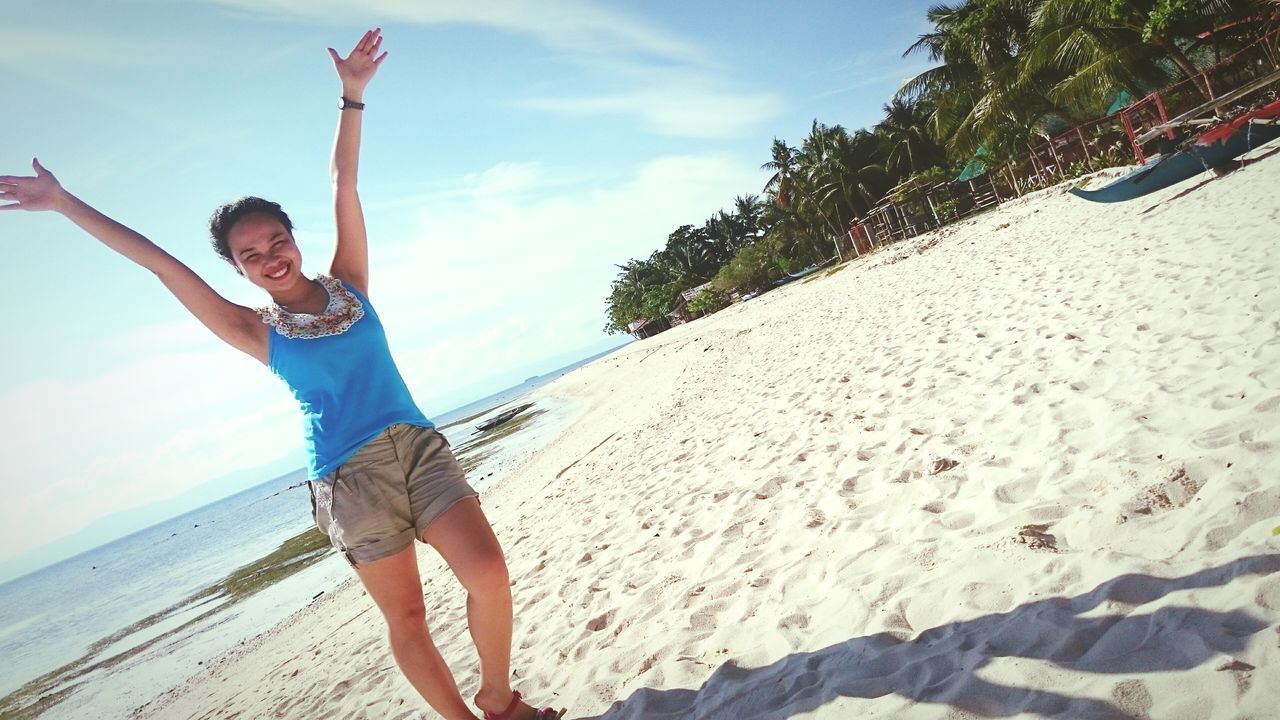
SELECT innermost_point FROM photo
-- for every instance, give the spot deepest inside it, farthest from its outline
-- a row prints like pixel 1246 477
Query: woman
pixel 381 475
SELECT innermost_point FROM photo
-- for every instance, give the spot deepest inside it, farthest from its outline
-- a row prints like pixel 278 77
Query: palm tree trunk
pixel 1184 64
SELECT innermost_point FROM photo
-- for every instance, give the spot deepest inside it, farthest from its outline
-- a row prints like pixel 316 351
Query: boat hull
pixel 1173 169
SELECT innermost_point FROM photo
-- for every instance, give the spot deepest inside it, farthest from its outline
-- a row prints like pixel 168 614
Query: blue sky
pixel 513 152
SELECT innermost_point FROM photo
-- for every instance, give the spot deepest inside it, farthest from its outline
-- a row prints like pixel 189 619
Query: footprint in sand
pixel 1267 405
pixel 814 518
pixel 849 487
pixel 940 465
pixel 1037 537
pixel 1016 491
pixel 1260 507
pixel 1133 698
pixel 769 489
pixel 796 621
pixel 1221 435
pixel 1170 494
pixel 600 622
pixel 1229 401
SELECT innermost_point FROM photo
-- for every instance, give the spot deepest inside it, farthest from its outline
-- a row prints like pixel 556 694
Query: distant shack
pixel 682 314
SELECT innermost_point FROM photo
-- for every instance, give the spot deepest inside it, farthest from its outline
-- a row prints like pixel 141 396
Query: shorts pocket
pixel 322 505
pixel 359 508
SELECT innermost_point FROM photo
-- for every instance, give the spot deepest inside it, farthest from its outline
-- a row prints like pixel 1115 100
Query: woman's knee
pixel 406 615
pixel 485 573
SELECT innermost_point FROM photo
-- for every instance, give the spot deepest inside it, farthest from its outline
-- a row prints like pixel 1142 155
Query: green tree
pixel 783 164
pixel 908 133
pixel 632 294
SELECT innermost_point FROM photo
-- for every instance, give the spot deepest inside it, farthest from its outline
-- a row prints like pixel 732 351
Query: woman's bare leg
pixel 465 540
pixel 396 588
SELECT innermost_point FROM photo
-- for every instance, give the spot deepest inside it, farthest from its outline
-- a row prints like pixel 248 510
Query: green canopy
pixel 976 166
pixel 1123 100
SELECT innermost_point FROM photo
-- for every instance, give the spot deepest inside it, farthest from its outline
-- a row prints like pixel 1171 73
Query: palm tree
pixel 847 171
pixel 783 167
pixel 951 88
pixel 747 209
pixel 978 94
pixel 906 130
pixel 1103 44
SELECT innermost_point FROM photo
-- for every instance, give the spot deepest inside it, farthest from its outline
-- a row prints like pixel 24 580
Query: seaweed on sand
pixel 472 453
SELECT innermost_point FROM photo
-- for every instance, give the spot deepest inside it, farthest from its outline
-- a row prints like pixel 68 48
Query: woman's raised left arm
pixel 351 256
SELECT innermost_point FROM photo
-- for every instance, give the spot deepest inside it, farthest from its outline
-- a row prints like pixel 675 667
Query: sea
pixel 133 616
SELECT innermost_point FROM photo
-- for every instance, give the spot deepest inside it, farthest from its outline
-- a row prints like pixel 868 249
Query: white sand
pixel 1022 467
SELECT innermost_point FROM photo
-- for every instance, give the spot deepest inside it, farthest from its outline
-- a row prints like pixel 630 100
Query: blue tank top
pixel 338 366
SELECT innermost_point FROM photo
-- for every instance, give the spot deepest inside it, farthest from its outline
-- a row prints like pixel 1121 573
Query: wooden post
pixel 1164 117
pixel 1133 137
pixel 1035 163
pixel 1053 153
pixel 1013 179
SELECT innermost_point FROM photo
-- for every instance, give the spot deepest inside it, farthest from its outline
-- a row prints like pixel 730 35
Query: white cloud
pixel 494 279
pixel 687 109
pixel 27 47
pixel 673 84
pixel 575 25
pixel 143 431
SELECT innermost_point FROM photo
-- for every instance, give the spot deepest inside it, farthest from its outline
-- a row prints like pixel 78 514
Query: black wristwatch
pixel 345 104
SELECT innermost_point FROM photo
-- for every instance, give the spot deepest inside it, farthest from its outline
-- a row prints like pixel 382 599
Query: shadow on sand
pixel 941 664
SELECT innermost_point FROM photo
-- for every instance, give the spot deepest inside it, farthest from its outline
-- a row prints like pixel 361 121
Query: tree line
pixel 1005 73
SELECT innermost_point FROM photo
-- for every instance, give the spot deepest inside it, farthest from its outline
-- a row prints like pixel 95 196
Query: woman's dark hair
pixel 225 218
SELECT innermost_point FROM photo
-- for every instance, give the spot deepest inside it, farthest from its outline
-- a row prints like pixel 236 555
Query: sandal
pixel 545 713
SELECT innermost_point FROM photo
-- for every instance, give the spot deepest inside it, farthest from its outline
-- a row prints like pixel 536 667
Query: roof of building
pixel 694 292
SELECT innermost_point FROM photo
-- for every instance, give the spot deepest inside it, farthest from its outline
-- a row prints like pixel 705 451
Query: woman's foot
pixel 507 705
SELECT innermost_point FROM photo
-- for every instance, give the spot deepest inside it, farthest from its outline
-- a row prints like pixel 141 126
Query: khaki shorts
pixel 381 498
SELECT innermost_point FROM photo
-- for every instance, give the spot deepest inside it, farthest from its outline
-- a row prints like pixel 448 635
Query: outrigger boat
pixel 1208 150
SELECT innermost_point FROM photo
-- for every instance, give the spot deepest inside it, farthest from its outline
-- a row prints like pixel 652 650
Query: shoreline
pixel 115 673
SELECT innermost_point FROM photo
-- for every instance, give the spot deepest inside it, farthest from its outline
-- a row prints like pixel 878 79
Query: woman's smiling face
pixel 263 250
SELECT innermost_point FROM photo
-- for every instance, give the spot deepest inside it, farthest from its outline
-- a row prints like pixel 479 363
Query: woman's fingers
pixel 380 58
pixel 366 40
pixel 35 165
pixel 370 42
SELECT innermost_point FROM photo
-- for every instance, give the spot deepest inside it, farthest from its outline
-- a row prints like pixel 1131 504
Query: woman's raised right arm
pixel 237 325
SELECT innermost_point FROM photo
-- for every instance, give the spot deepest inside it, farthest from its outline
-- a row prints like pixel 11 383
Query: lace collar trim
pixel 343 310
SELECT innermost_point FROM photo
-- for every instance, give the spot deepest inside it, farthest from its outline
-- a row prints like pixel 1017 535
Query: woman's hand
pixel 20 192
pixel 357 69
